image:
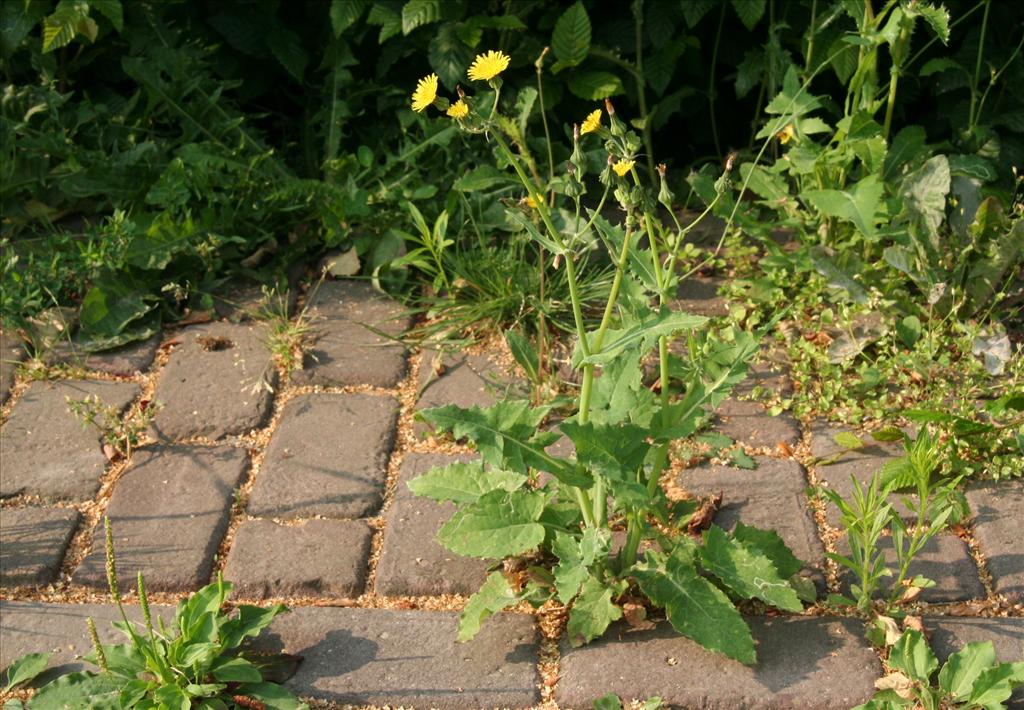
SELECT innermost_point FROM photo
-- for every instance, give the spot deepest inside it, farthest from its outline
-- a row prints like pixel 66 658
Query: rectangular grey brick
pixel 33 542
pixel 998 509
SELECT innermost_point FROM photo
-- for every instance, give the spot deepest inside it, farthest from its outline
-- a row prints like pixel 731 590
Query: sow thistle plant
pixel 572 529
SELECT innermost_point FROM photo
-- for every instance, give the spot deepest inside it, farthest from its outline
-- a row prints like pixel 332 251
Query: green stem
pixel 810 39
pixel 898 51
pixel 977 67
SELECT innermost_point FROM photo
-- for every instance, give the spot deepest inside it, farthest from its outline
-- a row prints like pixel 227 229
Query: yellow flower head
pixel 531 202
pixel 426 92
pixel 786 134
pixel 487 66
pixel 623 166
pixel 592 122
pixel 459 109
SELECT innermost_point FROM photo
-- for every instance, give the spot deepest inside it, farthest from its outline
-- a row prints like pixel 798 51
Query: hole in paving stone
pixel 211 343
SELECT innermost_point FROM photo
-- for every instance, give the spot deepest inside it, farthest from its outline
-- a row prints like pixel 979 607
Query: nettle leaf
pixel 592 612
pixel 575 556
pixel 499 524
pixel 856 205
pixel 746 571
pixel 287 49
pixel 963 668
pixel 571 37
pixel 495 594
pixel 936 17
pixel 416 13
pixel 995 685
pixel 912 656
pixel 596 85
pixel 390 22
pixel 25 669
pixel 695 607
pixel 750 12
pixel 464 482
pixel 448 55
pixel 345 13
pixel 694 10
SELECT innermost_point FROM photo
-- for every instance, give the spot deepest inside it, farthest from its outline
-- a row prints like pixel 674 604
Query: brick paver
pixel 750 423
pixel 47 452
pixel 217 382
pixel 802 663
pixel 345 315
pixel 950 634
pixel 770 375
pixel 169 512
pixel 129 359
pixel 945 559
pixel 328 457
pixel 998 509
pixel 412 561
pixel 699 295
pixel 462 380
pixel 317 558
pixel 33 542
pixel 772 496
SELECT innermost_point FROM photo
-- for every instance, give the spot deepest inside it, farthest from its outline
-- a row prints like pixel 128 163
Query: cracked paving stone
pixel 945 559
pixel 813 663
pixel 750 423
pixel 129 359
pixel 317 558
pixel 217 382
pixel 412 561
pixel 169 513
pixel 772 497
pixel 998 509
pixel 348 351
pixel 47 451
pixel 328 457
pixel 392 658
pixel 33 542
pixel 463 380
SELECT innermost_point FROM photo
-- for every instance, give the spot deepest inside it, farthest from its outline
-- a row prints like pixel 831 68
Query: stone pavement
pixel 295 488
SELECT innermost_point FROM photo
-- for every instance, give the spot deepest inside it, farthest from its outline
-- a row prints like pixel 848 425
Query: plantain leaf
pixel 963 668
pixel 80 690
pixel 912 656
pixel 25 669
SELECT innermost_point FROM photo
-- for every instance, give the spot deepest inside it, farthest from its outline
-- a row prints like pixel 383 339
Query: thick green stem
pixel 898 51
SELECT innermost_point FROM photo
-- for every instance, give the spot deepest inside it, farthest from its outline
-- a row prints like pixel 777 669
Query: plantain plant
pixel 571 528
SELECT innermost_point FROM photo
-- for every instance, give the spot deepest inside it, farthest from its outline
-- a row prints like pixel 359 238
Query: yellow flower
pixel 530 201
pixel 786 134
pixel 459 109
pixel 623 166
pixel 487 66
pixel 426 92
pixel 592 122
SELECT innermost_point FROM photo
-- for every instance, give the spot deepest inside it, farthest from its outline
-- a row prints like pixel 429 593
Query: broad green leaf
pixel 463 482
pixel 109 307
pixel 449 56
pixel 524 353
pixel 608 702
pixel 749 11
pixel 963 668
pixel 906 145
pixel 857 205
pixel 272 695
pixel 345 13
pixel 575 556
pixel 112 10
pixel 909 330
pixel 482 178
pixel 746 571
pixel 614 451
pixel 793 100
pixel 972 166
pixel 286 47
pixel 848 440
pixel 416 13
pixel 741 459
pixel 995 685
pixel 641 334
pixel 595 85
pixel 592 612
pixel 236 670
pixel 766 185
pixel 79 690
pixel 769 544
pixel 571 37
pixel 1001 248
pixel 497 525
pixel 247 622
pixel 60 27
pixel 696 608
pixel 911 655
pixel 25 669
pixel 924 192
pixel 154 248
pixel 694 10
pixel 492 597
pixel 390 22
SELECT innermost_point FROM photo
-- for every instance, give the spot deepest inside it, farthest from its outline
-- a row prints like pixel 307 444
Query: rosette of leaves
pixel 535 511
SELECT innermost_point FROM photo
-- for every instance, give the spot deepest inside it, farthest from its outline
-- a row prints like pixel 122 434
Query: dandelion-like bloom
pixel 623 166
pixel 459 109
pixel 426 92
pixel 487 66
pixel 786 134
pixel 592 122
pixel 531 202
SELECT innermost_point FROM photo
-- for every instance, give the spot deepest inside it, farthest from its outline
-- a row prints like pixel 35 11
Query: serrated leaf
pixel 794 99
pixel 696 608
pixel 497 525
pixel 595 85
pixel 287 49
pixel 25 669
pixel 963 668
pixel 575 556
pixel 112 10
pixel 60 27
pixel 613 450
pixel 769 544
pixel 416 13
pixel 390 22
pixel 764 184
pixel 592 612
pixel 448 55
pixel 741 459
pixel 694 10
pixel 936 17
pixel 345 13
pixel 746 571
pixel 492 597
pixel 571 37
pixel 750 12
pixel 912 656
pixel 857 204
pixel 463 482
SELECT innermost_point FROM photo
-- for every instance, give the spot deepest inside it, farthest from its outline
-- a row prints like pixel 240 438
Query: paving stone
pixel 33 542
pixel 169 513
pixel 945 559
pixel 47 452
pixel 699 295
pixel 347 352
pixel 390 658
pixel 11 353
pixel 840 464
pixel 813 663
pixel 328 457
pixel 129 359
pixel 217 382
pixel 772 496
pixel 318 558
pixel 998 509
pixel 769 375
pixel 464 380
pixel 750 423
pixel 950 634
pixel 239 301
pixel 412 561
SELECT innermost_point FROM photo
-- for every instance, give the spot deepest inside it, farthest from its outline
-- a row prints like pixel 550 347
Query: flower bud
pixel 617 127
pixel 665 195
